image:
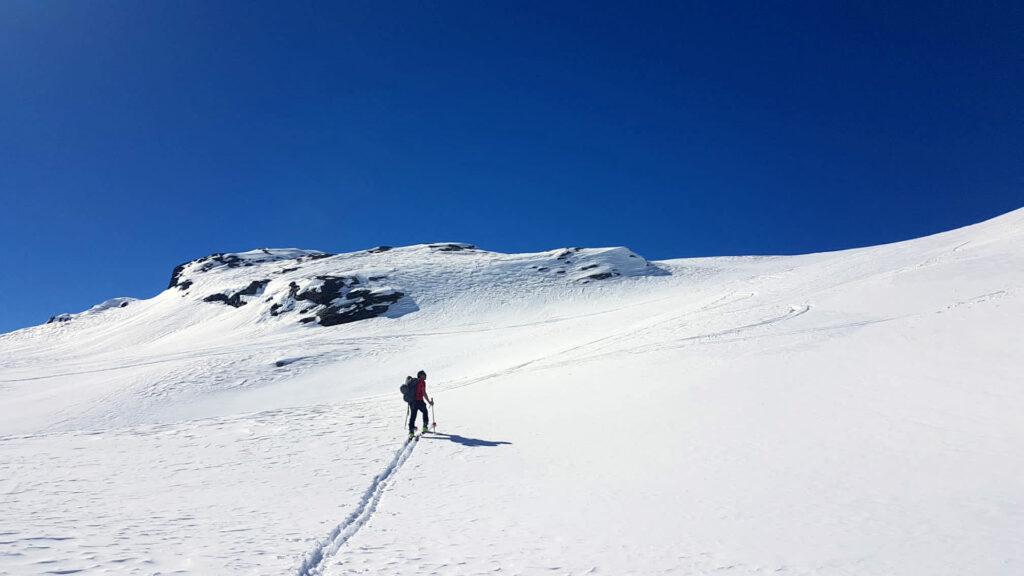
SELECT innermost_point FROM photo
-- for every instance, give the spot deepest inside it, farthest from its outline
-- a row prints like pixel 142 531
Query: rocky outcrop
pixel 284 285
pixel 330 289
pixel 602 275
pixel 236 299
pixel 452 247
pixel 333 300
pixel 220 260
pixel 359 305
pixel 176 275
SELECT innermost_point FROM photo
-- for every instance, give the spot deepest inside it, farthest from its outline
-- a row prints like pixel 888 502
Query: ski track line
pixel 793 312
pixel 314 561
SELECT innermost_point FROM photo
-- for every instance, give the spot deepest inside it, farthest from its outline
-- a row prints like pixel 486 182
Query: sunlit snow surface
pixel 855 412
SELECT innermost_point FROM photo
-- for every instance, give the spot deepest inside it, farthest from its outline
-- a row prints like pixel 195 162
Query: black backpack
pixel 408 389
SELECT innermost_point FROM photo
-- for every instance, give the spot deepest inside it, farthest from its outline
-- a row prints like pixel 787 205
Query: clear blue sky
pixel 137 135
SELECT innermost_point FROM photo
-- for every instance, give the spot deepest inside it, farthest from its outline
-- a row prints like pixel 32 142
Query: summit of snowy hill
pixel 853 412
pixel 311 287
pixel 220 260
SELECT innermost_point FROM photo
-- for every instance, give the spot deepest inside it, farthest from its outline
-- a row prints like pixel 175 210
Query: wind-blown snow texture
pixel 854 412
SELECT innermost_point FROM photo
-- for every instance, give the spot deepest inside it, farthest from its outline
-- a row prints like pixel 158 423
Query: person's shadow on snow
pixel 463 440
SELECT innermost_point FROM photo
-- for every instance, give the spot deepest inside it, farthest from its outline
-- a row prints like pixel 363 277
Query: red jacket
pixel 421 389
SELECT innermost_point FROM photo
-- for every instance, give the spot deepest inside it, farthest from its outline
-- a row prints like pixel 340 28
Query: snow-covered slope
pixel 855 412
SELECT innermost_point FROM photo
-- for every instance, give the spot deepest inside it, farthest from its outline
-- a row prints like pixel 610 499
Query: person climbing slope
pixel 418 403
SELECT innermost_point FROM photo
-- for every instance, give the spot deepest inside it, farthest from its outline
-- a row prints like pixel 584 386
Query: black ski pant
pixel 417 406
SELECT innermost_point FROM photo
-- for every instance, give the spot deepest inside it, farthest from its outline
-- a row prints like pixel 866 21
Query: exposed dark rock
pixel 451 247
pixel 123 304
pixel 217 298
pixel 591 267
pixel 329 301
pixel 543 269
pixel 342 299
pixel 358 293
pixel 602 276
pixel 316 256
pixel 210 262
pixel 361 304
pixel 216 259
pixel 353 280
pixel 176 274
pixel 333 287
pixel 379 249
pixel 254 288
pixel 564 254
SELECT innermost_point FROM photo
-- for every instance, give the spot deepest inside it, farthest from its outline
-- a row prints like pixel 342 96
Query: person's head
pixel 421 374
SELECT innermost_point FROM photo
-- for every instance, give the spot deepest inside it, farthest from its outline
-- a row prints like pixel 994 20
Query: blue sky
pixel 137 135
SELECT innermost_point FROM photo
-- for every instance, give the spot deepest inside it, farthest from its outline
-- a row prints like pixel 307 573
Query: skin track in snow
pixel 323 551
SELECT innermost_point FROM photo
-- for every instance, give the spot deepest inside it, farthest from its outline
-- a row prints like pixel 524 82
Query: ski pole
pixel 433 414
pixel 407 408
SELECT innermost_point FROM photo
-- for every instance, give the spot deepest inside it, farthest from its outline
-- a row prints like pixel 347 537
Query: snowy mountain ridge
pixel 852 412
pixel 329 289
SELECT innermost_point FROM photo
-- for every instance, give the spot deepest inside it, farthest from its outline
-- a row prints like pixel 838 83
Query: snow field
pixel 238 495
pixel 847 413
